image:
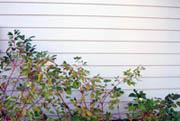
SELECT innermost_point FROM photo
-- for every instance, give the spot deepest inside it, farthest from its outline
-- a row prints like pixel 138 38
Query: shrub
pixel 154 109
pixel 33 87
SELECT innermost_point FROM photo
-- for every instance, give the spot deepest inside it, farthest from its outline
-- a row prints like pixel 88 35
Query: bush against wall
pixel 34 87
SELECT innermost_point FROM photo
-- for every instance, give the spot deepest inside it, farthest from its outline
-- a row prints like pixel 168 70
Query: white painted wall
pixel 111 35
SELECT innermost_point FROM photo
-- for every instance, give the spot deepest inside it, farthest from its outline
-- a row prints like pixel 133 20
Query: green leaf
pixel 76 84
pixel 107 80
pixel 132 95
pixel 68 90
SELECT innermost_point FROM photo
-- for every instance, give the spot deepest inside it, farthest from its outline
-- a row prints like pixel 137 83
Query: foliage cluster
pixel 33 87
pixel 154 109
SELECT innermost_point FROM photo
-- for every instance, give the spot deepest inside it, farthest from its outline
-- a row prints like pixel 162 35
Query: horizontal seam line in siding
pixel 143 77
pixel 123 53
pixel 93 28
pixel 99 4
pixel 134 65
pixel 103 16
pixel 109 53
pixel 151 89
pixel 150 77
pixel 128 41
pixel 153 77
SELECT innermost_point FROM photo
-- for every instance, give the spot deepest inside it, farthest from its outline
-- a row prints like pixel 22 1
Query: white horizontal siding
pixel 110 35
pixel 96 34
pixel 150 72
pixel 87 10
pixel 123 59
pixel 158 3
pixel 101 48
pixel 89 22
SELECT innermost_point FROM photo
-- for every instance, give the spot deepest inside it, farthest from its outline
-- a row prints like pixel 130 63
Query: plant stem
pixel 10 76
pixel 66 106
pixel 57 112
pixel 102 109
pixel 107 93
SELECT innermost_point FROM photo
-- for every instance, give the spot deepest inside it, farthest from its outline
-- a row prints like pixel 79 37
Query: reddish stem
pixel 83 101
pixel 107 93
pixel 10 76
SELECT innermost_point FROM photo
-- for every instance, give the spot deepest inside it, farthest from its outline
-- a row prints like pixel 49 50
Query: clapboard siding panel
pixel 159 93
pixel 158 83
pixel 121 59
pixel 153 83
pixel 125 59
pixel 150 92
pixel 89 34
pixel 98 48
pixel 159 3
pixel 95 22
pixel 70 9
pixel 149 72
